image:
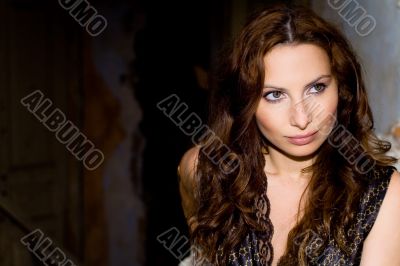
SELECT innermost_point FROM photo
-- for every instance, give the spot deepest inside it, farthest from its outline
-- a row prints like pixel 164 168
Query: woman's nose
pixel 300 116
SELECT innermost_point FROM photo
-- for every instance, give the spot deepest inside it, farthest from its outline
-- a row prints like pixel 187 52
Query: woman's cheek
pixel 327 119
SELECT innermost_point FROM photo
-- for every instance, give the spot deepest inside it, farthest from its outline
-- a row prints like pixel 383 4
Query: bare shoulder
pixel 187 185
pixel 188 163
pixel 382 245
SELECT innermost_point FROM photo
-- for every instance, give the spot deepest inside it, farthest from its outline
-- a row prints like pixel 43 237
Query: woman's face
pixel 300 97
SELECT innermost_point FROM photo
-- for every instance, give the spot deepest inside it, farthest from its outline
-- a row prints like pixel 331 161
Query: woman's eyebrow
pixel 306 86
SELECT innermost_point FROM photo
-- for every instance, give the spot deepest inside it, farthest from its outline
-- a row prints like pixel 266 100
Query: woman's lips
pixel 302 139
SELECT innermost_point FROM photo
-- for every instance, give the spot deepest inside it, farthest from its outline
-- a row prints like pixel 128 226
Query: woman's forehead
pixel 285 64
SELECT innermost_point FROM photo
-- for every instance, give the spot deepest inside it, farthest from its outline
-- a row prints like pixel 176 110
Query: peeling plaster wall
pixel 113 51
pixel 379 52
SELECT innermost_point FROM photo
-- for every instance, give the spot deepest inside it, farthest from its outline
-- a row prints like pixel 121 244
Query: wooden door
pixel 39 180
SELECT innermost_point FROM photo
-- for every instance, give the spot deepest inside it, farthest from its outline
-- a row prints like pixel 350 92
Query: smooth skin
pixel 298 97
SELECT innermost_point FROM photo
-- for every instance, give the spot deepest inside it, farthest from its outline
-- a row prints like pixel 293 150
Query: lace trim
pixel 256 248
pixel 263 209
pixel 369 207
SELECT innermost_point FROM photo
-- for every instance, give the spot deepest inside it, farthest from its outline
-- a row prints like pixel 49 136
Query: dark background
pixel 108 86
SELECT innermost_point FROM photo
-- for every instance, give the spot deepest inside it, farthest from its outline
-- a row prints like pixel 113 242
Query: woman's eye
pixel 318 88
pixel 273 96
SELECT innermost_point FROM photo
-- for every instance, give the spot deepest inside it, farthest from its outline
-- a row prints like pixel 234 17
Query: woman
pixel 310 183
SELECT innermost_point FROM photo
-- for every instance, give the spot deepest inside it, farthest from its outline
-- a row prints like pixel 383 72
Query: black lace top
pixel 256 249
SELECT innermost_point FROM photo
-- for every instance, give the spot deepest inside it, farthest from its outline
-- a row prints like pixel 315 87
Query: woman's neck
pixel 286 166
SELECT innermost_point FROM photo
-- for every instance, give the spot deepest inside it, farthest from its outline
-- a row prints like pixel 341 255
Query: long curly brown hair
pixel 225 200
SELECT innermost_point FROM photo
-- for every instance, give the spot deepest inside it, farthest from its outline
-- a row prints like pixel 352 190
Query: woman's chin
pixel 300 151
